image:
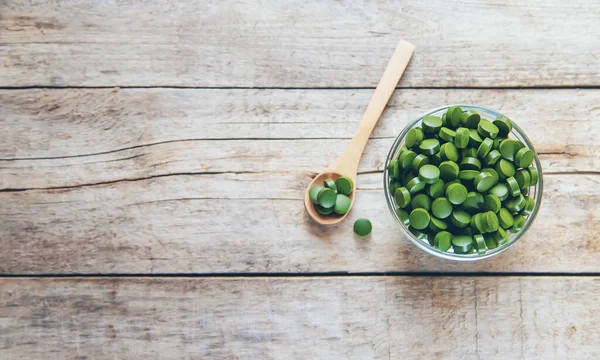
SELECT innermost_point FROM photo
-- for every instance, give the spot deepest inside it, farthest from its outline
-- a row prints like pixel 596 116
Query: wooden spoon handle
pixel 347 163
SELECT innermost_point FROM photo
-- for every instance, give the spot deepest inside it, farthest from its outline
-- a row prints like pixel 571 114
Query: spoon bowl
pixel 312 210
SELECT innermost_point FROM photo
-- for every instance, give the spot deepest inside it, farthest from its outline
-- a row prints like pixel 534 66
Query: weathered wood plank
pixel 301 318
pixel 257 223
pixel 50 137
pixel 297 44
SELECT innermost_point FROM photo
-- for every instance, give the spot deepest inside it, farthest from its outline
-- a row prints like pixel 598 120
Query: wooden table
pixel 154 156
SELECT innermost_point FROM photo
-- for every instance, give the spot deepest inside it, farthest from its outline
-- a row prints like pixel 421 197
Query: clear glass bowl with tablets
pixel 535 192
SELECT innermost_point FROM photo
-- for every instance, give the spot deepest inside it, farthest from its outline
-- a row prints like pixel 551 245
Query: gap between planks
pixel 306 275
pixel 66 87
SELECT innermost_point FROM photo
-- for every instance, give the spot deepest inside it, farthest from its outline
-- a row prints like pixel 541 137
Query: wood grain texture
pixel 300 318
pixel 57 138
pixel 297 44
pixel 257 223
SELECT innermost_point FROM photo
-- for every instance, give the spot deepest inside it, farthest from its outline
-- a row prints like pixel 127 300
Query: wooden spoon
pixel 347 163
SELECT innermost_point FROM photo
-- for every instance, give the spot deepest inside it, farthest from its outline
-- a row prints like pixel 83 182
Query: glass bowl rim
pixel 451 256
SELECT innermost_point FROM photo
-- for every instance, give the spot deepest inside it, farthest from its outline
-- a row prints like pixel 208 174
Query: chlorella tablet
pixel 421 201
pixel 474 202
pixel 342 204
pixel 314 192
pixel 448 151
pixel 431 124
pixel 462 244
pixel 505 219
pixel 406 159
pixel 470 119
pixel 474 138
pixel 456 193
pixel 326 197
pixel 461 181
pixel 485 147
pixel 492 157
pixel 491 203
pixel 402 197
pixel 483 182
pixel 429 146
pixel 441 208
pixel 362 227
pixel 470 163
pixel 509 147
pixel 403 215
pixel 500 190
pixel 487 129
pixel 414 137
pixel 447 134
pixel 419 218
pixel 448 170
pixel 443 240
pixel 419 161
pixel 460 218
pixel 462 138
pixel 504 125
pixel 437 225
pixel 329 183
pixel 344 185
pixel 429 173
pixel 524 157
pixel 437 189
pixel 415 185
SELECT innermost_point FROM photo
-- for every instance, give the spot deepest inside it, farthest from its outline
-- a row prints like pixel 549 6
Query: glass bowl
pixel 534 191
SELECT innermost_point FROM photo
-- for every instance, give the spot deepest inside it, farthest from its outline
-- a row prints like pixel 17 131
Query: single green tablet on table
pixel 363 227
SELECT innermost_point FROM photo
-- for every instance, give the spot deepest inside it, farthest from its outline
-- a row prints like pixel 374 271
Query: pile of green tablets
pixel 461 183
pixel 332 197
